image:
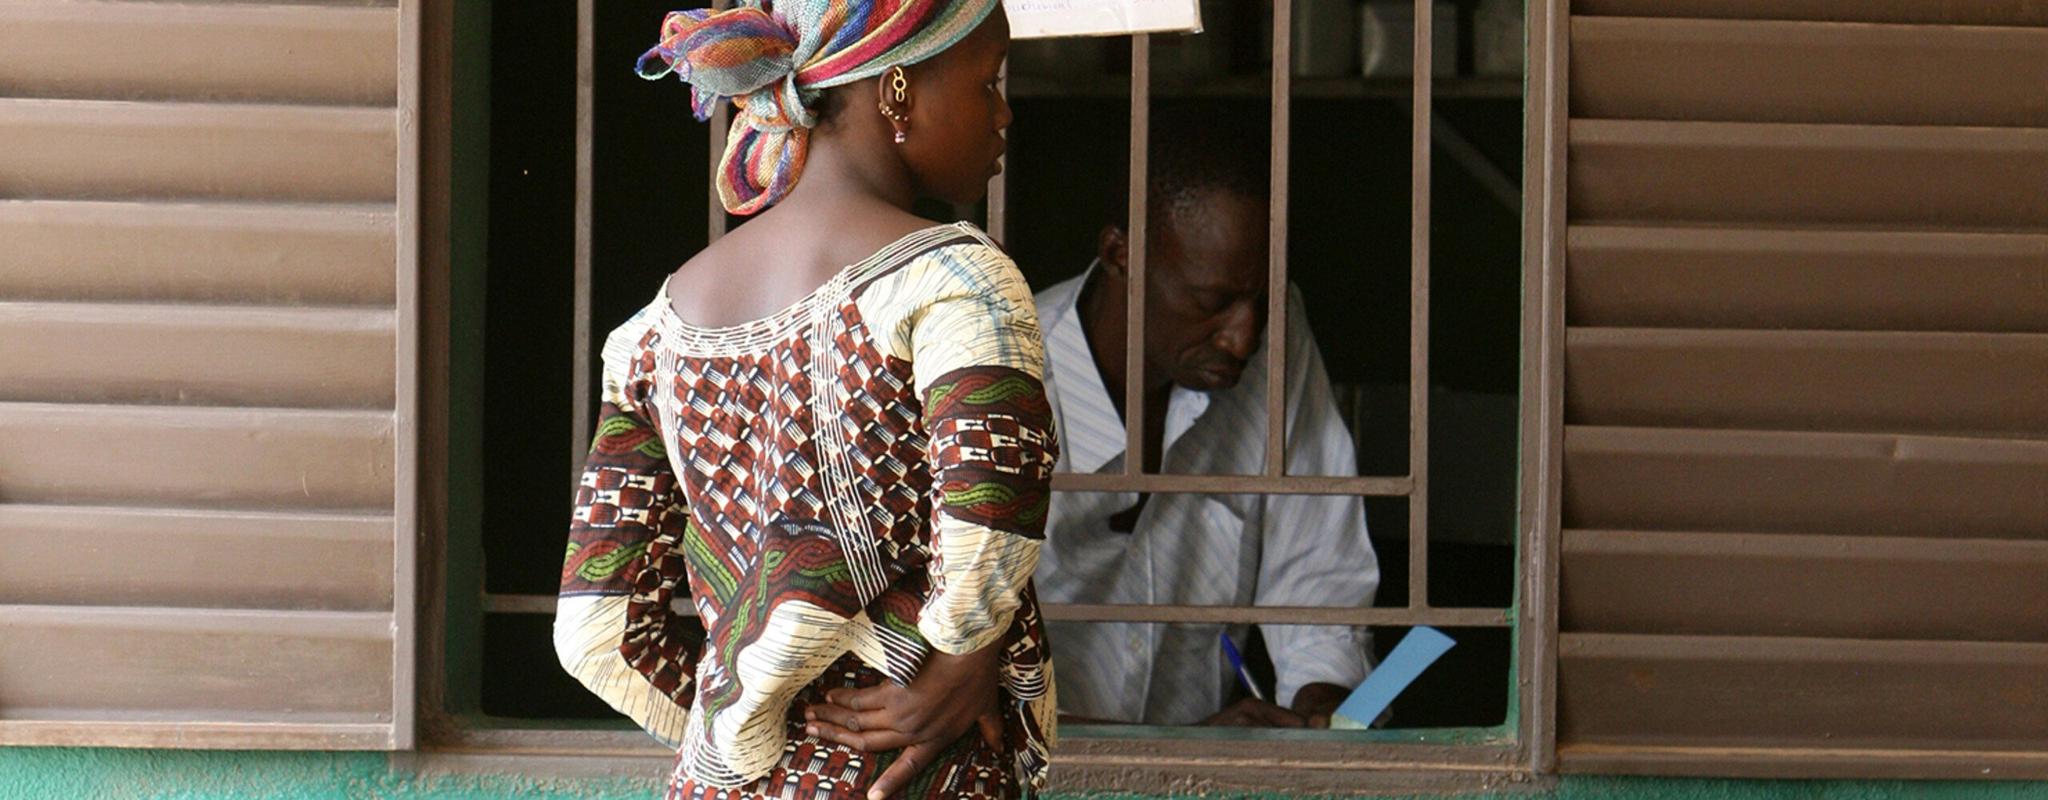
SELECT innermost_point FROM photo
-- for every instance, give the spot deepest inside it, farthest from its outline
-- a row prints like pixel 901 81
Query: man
pixel 1204 389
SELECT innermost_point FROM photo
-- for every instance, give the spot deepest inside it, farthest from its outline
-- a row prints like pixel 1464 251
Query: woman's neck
pixel 844 167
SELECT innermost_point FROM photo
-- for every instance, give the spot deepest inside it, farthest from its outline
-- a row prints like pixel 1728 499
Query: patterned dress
pixel 837 490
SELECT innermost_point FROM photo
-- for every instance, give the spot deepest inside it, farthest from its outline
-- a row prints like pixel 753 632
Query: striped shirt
pixel 1190 549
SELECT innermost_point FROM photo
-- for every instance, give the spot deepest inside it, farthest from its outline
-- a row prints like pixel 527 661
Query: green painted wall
pixel 106 774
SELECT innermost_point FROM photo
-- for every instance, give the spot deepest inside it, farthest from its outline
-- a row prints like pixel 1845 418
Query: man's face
pixel 1206 289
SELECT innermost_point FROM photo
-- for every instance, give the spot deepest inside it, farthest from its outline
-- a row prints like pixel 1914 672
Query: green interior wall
pixel 109 774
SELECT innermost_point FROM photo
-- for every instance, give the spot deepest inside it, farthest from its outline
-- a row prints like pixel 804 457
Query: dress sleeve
pixel 614 628
pixel 973 340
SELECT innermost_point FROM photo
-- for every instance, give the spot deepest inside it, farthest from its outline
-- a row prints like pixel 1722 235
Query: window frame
pixel 1119 758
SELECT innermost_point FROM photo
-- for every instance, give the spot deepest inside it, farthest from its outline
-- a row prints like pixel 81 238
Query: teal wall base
pixel 109 774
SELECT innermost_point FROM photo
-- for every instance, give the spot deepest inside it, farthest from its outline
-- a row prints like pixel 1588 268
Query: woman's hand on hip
pixel 949 695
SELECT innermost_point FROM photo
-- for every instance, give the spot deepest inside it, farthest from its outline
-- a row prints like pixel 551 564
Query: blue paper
pixel 1420 648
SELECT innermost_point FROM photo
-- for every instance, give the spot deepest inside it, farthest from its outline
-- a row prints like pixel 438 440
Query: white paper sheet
pixel 1041 19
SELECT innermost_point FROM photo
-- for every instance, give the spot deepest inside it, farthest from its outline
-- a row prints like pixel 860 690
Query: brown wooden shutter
pixel 206 371
pixel 1806 448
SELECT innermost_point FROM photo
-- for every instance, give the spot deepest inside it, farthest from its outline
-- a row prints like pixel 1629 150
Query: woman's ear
pixel 1113 249
pixel 893 98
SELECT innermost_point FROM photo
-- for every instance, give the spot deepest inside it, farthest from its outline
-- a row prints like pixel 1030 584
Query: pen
pixel 1237 663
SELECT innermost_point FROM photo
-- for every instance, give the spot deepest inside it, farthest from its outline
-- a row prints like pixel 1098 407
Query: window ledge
pixel 1145 761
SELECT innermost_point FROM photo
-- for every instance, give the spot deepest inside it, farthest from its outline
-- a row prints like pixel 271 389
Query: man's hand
pixel 1251 713
pixel 949 695
pixel 1317 701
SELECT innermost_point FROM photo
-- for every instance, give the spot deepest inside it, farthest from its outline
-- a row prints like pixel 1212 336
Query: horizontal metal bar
pixel 1228 615
pixel 518 603
pixel 1393 486
pixel 1280 615
pixel 542 604
pixel 1034 88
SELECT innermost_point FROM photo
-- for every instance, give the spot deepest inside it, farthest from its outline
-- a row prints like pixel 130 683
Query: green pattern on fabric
pixel 622 425
pixel 901 626
pixel 609 564
pixel 937 394
pixel 998 494
pixel 834 572
pixel 1002 391
pixel 724 584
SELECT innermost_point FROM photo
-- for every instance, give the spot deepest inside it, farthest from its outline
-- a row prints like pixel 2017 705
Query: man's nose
pixel 1240 336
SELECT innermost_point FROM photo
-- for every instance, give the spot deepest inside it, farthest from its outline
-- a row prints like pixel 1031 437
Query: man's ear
pixel 1113 249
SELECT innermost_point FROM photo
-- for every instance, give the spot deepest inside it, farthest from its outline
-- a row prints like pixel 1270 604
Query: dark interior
pixel 1348 240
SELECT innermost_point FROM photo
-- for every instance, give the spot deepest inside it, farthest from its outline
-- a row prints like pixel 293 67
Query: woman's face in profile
pixel 958 114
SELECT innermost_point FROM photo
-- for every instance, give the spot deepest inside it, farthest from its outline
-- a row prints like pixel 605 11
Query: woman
pixel 830 424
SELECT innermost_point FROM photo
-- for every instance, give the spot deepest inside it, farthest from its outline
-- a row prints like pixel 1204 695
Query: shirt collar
pixel 1078 382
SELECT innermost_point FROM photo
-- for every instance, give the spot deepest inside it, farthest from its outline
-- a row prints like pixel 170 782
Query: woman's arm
pixel 615 631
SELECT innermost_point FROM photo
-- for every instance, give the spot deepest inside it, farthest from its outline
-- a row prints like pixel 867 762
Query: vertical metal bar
pixel 714 131
pixel 1418 310
pixel 1543 276
pixel 1276 239
pixel 1140 194
pixel 405 412
pixel 579 349
pixel 996 218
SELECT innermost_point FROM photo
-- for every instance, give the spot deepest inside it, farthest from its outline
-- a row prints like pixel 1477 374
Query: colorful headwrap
pixel 774 58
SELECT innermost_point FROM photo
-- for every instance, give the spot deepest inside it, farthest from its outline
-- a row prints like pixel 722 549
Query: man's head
pixel 1206 252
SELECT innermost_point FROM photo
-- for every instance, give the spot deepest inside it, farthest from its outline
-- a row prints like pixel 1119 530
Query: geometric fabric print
pixel 627 508
pixel 785 479
pixel 992 429
pixel 616 504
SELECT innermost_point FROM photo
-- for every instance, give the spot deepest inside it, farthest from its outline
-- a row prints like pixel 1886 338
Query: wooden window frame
pixel 1134 758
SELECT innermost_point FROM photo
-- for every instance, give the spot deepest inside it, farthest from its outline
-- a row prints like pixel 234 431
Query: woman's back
pixel 827 431
pixel 852 480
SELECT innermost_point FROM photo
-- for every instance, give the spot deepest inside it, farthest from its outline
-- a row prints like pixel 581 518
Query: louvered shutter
pixel 1806 470
pixel 206 348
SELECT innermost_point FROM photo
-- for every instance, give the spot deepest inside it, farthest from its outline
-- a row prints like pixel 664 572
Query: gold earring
pixel 899 84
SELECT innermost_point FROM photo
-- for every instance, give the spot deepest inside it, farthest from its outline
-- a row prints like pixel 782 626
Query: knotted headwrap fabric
pixel 775 58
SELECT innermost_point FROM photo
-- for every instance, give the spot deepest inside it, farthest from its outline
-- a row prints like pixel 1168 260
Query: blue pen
pixel 1237 663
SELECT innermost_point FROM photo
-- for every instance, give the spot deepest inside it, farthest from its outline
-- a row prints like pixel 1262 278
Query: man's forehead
pixel 1220 238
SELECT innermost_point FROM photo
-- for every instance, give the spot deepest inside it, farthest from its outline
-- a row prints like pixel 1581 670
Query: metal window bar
pixel 1135 246
pixel 1276 238
pixel 997 210
pixel 581 401
pixel 721 119
pixel 1418 308
pixel 1134 478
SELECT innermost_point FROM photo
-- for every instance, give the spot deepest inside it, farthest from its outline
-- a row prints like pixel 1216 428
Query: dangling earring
pixel 899 86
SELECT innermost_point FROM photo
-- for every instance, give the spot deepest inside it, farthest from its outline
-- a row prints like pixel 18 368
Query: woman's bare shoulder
pixel 775 260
